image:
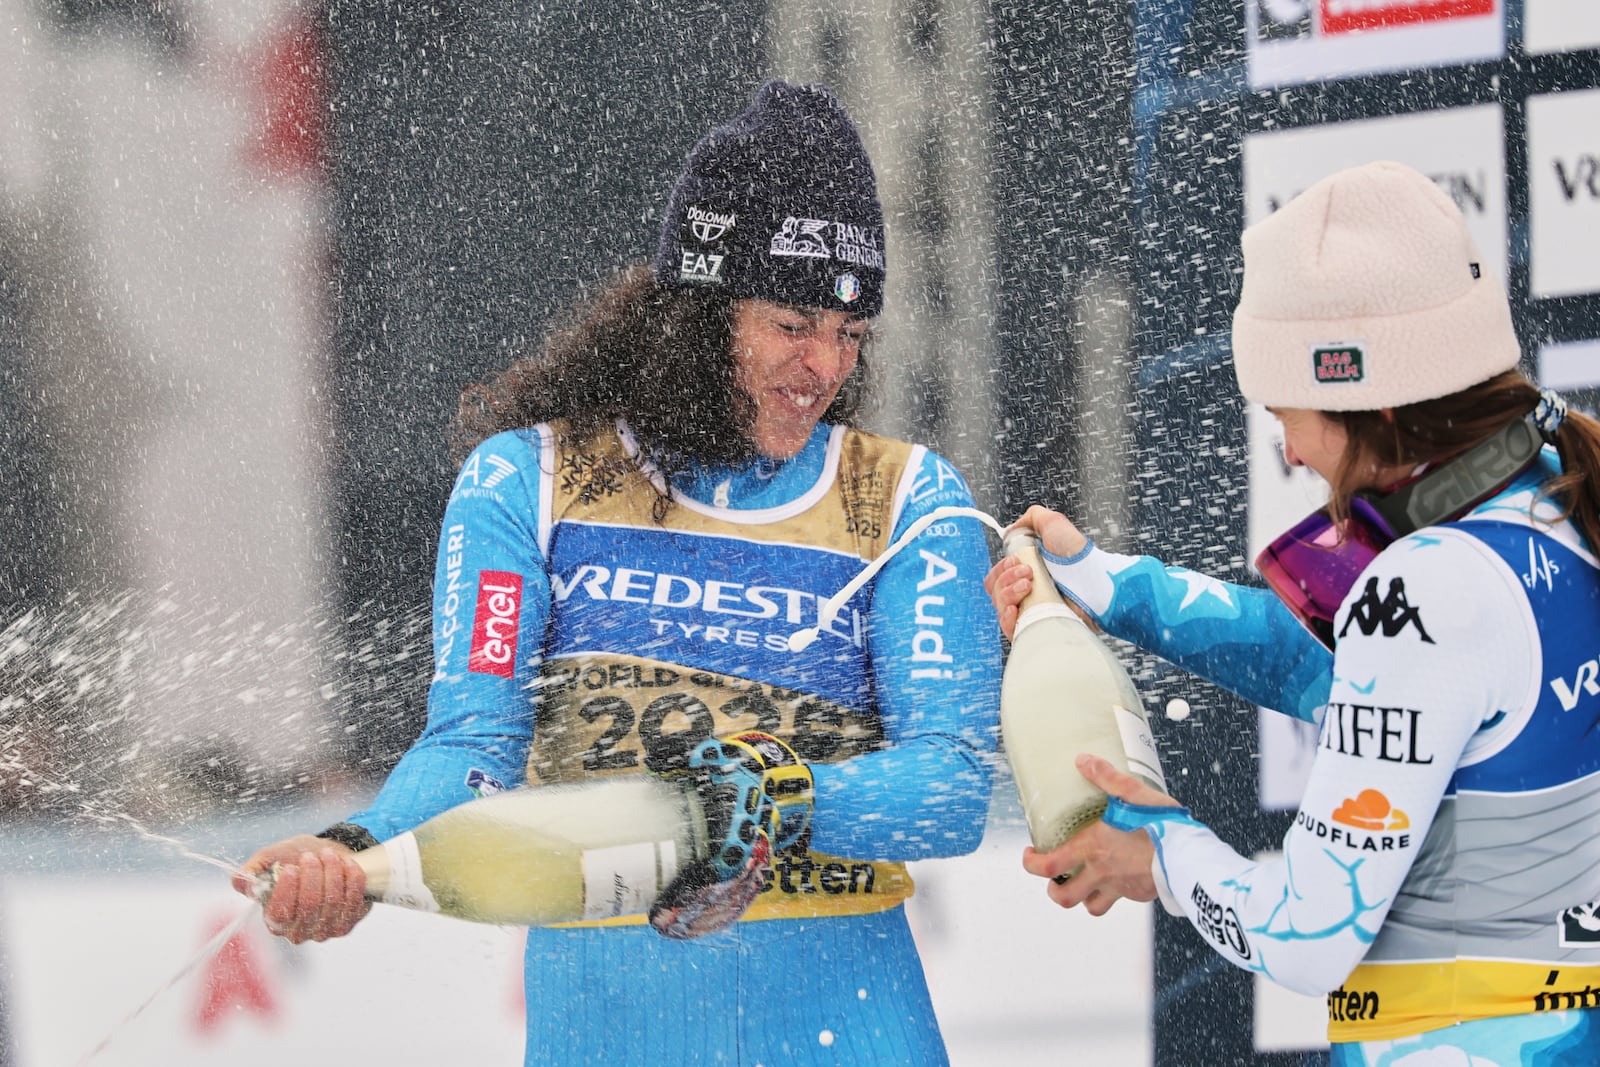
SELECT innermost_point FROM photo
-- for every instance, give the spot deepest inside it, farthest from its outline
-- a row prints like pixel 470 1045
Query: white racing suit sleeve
pixel 1429 650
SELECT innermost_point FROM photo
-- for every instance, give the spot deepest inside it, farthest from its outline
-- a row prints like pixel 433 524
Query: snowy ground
pixel 97 925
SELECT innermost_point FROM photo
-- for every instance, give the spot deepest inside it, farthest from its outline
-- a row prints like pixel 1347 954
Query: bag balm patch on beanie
pixel 1364 292
pixel 780 204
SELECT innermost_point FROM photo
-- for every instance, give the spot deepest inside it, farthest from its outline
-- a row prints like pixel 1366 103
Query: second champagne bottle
pixel 1065 692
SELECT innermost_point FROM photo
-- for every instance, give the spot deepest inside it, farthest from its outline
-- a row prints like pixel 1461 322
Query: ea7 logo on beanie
pixel 1337 363
pixel 704 243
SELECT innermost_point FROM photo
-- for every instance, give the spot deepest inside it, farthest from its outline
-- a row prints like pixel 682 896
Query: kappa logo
pixel 801 237
pixel 1389 614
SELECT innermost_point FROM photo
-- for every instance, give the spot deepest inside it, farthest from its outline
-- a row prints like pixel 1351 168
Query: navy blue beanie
pixel 780 204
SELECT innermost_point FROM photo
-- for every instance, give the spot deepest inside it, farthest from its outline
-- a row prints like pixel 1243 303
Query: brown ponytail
pixel 1434 430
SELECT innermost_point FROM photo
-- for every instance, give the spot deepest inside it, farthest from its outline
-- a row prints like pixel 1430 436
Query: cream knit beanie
pixel 1364 292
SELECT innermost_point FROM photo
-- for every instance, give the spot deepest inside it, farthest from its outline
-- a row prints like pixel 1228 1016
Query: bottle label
pixel 626 879
pixel 406 887
pixel 1140 745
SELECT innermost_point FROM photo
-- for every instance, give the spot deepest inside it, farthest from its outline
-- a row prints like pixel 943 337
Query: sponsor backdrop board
pixel 1295 41
pixel 1241 105
pixel 1559 25
pixel 1563 161
pixel 1462 149
pixel 1571 367
pixel 111 972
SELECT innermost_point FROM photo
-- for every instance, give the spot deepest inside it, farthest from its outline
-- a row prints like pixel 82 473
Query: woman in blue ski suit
pixel 648 512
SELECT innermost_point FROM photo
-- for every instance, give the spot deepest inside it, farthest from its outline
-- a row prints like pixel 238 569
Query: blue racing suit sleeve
pixel 935 646
pixel 490 570
pixel 1239 637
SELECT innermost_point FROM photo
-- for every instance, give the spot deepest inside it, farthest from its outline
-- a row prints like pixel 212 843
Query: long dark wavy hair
pixel 1433 430
pixel 658 356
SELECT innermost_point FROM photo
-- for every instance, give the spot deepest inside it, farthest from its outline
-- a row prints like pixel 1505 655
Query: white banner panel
pixel 1570 366
pixel 1560 25
pixel 1564 193
pixel 1462 149
pixel 1293 41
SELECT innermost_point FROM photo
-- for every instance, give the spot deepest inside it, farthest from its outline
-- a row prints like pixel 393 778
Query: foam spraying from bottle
pixel 829 609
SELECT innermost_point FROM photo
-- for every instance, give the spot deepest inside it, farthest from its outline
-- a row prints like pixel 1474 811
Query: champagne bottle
pixel 1065 692
pixel 547 854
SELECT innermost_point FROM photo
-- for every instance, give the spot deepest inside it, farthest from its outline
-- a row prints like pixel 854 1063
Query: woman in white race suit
pixel 1439 882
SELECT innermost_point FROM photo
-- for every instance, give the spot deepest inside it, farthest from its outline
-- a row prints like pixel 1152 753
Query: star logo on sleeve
pixel 1199 585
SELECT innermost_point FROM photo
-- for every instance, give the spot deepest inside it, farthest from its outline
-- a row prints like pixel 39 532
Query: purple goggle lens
pixel 1316 562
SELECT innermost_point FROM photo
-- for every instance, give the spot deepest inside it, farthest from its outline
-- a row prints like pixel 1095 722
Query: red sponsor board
pixel 1352 16
pixel 494 626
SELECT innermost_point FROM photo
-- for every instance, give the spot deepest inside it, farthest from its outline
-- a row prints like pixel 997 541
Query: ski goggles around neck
pixel 1313 564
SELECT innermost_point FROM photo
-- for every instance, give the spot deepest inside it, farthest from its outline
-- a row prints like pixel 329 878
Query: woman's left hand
pixel 1114 863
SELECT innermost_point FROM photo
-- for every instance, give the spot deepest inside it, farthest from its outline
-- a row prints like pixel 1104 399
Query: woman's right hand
pixel 318 888
pixel 1010 580
pixel 1056 532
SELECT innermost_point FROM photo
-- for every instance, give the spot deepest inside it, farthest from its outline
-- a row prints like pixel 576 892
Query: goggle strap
pixel 1448 491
